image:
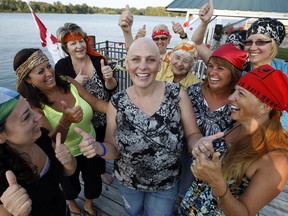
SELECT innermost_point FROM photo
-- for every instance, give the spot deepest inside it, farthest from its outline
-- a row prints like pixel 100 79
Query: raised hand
pixel 88 146
pixel 106 71
pixel 126 20
pixel 178 29
pixel 206 11
pixel 72 115
pixel 62 153
pixel 141 32
pixel 205 146
pixel 15 199
pixel 81 78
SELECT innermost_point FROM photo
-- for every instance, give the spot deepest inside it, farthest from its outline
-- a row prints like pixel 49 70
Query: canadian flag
pixel 48 40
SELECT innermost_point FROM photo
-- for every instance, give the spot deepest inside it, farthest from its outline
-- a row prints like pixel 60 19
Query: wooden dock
pixel 110 202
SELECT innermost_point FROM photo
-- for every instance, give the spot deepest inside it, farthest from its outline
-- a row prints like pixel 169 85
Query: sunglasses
pixel 257 42
pixel 159 38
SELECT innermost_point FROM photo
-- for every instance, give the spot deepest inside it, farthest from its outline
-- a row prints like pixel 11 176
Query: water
pixel 19 31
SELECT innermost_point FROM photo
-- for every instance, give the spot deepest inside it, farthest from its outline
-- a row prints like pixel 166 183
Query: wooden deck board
pixel 110 202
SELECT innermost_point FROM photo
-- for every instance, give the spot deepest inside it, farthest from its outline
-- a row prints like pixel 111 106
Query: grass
pixel 282 54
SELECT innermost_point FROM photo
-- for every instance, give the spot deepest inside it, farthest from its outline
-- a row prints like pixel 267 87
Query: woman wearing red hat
pixel 210 98
pixel 254 157
pixel 262 41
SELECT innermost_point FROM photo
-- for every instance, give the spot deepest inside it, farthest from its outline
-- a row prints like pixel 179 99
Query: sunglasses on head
pixel 159 38
pixel 257 42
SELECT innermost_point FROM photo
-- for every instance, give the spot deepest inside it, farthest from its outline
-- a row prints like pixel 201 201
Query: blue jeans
pixel 160 203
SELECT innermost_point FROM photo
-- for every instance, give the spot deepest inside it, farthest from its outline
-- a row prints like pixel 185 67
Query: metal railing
pixel 116 52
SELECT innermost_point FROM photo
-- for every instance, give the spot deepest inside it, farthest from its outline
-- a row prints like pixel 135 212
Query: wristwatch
pixel 185 36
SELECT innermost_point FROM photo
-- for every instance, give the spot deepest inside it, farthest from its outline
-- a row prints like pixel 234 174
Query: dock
pixel 110 202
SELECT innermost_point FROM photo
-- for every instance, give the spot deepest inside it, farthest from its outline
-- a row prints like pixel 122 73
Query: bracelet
pixel 222 196
pixel 66 128
pixel 104 150
pixel 185 36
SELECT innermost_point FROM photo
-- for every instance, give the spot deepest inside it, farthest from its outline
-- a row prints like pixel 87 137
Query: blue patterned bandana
pixel 8 100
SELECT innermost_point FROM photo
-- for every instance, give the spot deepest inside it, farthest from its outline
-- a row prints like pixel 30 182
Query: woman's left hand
pixel 106 71
pixel 207 169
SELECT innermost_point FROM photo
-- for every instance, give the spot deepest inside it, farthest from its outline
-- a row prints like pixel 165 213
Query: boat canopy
pixel 235 8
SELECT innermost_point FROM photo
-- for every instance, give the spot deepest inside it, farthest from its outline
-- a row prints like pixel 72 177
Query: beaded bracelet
pixel 104 150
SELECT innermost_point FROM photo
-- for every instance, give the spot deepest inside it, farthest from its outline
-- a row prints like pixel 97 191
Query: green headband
pixel 8 100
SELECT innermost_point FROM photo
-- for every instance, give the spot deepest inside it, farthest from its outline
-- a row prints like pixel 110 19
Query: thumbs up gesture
pixel 88 146
pixel 106 71
pixel 15 199
pixel 141 32
pixel 126 20
pixel 81 78
pixel 62 153
pixel 178 29
pixel 71 115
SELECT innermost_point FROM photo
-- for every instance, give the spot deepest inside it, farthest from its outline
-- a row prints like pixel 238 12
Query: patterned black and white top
pixel 150 146
pixel 209 122
pixel 96 87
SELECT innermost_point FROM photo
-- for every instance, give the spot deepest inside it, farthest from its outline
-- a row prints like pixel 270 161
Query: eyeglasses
pixel 159 38
pixel 257 42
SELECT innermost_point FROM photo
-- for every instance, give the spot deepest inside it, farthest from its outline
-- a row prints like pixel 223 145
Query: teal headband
pixel 8 100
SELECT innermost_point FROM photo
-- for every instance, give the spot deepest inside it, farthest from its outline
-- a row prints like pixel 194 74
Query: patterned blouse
pixel 209 122
pixel 150 146
pixel 199 199
pixel 96 87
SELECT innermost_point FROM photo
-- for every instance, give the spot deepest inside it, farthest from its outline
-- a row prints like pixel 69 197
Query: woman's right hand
pixel 126 20
pixel 15 199
pixel 71 115
pixel 206 11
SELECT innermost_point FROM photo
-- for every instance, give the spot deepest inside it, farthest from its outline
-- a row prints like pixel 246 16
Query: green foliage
pixel 282 53
pixel 19 6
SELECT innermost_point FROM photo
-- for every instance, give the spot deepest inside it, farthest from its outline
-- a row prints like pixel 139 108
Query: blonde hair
pixel 269 137
pixel 274 50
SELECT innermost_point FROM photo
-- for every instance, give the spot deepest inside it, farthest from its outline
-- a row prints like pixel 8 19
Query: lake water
pixel 19 31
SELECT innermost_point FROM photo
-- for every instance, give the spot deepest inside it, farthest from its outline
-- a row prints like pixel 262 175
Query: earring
pixel 259 113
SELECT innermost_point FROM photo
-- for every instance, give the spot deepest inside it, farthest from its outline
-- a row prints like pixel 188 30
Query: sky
pixel 116 3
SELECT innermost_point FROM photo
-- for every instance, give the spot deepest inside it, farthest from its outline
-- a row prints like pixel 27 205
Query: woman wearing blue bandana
pixel 31 164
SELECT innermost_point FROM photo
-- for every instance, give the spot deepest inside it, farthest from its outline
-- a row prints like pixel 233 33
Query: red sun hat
pixel 267 84
pixel 232 54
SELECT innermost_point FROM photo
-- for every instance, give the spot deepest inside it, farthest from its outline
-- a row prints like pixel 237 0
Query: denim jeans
pixel 158 203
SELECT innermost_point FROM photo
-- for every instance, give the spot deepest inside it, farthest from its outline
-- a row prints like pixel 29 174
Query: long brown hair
pixel 269 137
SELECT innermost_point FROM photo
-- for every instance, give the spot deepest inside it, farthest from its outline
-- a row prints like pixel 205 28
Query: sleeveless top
pixel 209 122
pixel 73 139
pixel 45 193
pixel 95 85
pixel 150 146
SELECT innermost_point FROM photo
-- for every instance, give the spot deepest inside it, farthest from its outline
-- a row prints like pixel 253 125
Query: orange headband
pixel 71 37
